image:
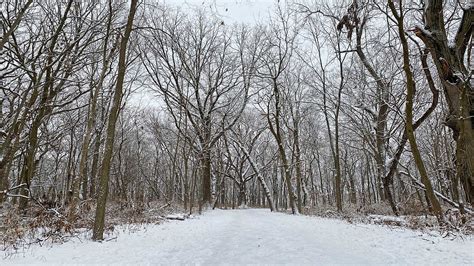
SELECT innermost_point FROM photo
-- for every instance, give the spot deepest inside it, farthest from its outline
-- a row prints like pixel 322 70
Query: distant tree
pixel 197 69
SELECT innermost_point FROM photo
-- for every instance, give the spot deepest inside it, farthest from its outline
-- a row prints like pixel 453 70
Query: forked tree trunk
pixel 454 75
pixel 411 86
pixel 277 134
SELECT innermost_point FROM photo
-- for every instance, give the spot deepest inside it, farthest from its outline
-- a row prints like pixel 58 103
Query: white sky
pixel 231 11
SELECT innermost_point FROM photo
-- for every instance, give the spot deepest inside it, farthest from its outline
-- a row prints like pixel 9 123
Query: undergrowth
pixel 41 224
pixel 455 223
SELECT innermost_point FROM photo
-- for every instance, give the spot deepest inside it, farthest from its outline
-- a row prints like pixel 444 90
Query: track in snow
pixel 259 236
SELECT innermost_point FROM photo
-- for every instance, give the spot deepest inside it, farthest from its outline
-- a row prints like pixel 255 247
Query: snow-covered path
pixel 259 237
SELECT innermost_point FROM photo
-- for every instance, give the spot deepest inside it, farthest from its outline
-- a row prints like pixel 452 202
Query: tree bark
pixel 411 86
pixel 276 132
pixel 206 178
pixel 297 154
pixel 98 231
pixel 454 76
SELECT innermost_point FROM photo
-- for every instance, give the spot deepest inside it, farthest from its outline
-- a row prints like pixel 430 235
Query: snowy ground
pixel 259 237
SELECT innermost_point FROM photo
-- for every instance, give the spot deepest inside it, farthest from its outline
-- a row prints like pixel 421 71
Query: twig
pixel 110 239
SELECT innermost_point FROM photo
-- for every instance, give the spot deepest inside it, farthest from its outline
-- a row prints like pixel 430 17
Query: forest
pixel 115 111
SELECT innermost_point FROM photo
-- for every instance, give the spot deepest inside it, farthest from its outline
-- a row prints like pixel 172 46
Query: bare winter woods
pixel 350 106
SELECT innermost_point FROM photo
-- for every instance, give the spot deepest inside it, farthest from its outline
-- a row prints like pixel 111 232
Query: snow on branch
pixel 6 191
pixel 443 197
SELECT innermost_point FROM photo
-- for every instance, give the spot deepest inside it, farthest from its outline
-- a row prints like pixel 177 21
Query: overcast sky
pixel 231 11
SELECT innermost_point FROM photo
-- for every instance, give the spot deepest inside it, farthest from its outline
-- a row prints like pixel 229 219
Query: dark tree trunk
pixel 454 76
pixel 98 232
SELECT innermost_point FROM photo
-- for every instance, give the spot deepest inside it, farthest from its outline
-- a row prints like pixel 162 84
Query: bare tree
pixel 98 232
pixel 453 63
pixel 280 45
pixel 12 22
pixel 195 67
pixel 411 86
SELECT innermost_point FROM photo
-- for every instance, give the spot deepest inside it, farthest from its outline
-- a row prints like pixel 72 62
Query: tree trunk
pixel 206 179
pixel 411 86
pixel 267 191
pixel 298 162
pixel 454 75
pixel 94 166
pixel 277 134
pixel 98 231
pixel 242 198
